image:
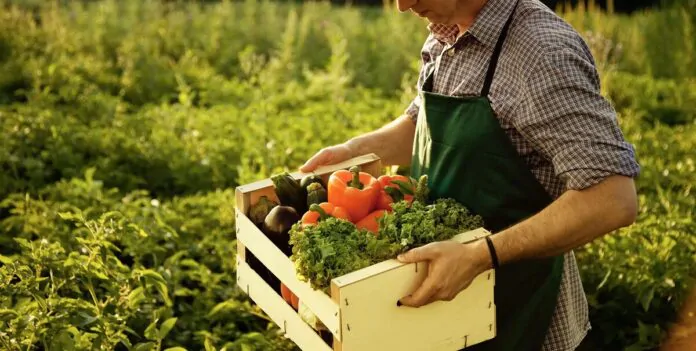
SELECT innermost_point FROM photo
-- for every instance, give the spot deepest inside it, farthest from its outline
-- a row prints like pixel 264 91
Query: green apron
pixel 466 154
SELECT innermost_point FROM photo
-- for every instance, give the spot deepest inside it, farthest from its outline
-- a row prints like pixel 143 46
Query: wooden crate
pixel 361 312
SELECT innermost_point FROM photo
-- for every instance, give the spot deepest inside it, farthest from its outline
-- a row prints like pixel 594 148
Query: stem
pixel 5 342
pixel 422 189
pixel 322 214
pixel 31 339
pixel 355 183
pixel 395 194
pixel 261 316
pixel 90 288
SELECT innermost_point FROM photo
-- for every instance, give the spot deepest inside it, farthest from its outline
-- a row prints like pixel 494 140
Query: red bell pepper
pixel 370 221
pixel 355 191
pixel 394 189
pixel 322 211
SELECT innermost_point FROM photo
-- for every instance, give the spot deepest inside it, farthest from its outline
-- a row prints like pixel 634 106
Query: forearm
pixel 392 143
pixel 574 219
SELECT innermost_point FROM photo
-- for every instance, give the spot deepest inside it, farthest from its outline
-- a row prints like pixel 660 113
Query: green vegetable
pixel 418 224
pixel 290 192
pixel 316 194
pixel 309 317
pixel 334 247
pixel 422 190
pixel 311 179
pixel 259 211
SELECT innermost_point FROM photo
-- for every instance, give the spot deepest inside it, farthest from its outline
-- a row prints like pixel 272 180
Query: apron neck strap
pixel 496 53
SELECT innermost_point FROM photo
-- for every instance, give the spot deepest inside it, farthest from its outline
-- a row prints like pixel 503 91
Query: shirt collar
pixel 486 27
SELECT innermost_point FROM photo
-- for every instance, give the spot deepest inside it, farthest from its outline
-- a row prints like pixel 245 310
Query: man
pixel 510 122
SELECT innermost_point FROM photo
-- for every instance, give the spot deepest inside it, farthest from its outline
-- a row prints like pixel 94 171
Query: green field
pixel 125 126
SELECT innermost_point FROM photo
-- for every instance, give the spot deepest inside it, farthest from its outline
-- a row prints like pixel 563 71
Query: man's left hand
pixel 452 267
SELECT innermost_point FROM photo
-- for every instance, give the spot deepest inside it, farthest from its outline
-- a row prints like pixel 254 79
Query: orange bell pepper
pixel 355 191
pixel 322 211
pixel 394 189
pixel 370 221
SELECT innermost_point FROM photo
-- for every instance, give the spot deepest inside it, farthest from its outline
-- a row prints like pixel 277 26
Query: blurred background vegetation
pixel 125 126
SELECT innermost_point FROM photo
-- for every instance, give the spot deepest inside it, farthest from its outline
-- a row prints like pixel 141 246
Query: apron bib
pixel 467 156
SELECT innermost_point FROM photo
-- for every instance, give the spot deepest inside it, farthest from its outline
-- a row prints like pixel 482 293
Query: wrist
pixel 483 260
pixel 354 147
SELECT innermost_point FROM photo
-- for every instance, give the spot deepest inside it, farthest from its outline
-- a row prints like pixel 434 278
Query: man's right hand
pixel 327 156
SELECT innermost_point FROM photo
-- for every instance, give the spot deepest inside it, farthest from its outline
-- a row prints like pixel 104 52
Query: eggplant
pixel 277 225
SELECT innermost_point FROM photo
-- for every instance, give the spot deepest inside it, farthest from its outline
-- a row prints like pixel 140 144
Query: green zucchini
pixel 316 194
pixel 311 179
pixel 290 192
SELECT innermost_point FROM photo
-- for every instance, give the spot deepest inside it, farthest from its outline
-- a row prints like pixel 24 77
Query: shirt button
pixel 450 52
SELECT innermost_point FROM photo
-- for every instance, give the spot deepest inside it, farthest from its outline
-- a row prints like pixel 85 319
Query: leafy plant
pixel 125 125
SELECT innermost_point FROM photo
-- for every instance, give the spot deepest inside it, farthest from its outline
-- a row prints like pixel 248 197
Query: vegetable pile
pixel 353 221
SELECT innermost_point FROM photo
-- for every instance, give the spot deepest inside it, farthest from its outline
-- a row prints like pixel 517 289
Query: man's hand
pixel 451 268
pixel 327 156
pixel 392 143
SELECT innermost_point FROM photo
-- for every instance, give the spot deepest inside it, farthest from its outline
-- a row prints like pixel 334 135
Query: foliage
pixel 84 267
pixel 125 124
pixel 414 225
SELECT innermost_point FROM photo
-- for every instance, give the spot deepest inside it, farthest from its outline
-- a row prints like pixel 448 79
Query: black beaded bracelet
pixel 494 256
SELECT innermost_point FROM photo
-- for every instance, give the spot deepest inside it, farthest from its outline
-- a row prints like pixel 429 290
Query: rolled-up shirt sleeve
pixel 426 61
pixel 412 109
pixel 563 114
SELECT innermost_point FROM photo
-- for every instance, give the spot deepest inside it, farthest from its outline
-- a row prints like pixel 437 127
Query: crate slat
pixel 371 320
pixel 369 163
pixel 281 266
pixel 387 265
pixel 278 310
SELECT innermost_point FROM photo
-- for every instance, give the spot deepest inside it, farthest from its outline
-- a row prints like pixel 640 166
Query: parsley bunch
pixel 334 247
pixel 417 224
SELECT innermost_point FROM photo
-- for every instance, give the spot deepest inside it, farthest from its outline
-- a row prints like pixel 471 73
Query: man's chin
pixel 433 18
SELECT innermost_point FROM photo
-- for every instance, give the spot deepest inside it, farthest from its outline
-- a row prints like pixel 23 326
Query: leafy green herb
pixel 336 247
pixel 419 224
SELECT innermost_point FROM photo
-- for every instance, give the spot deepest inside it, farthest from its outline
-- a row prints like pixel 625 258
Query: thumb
pixel 418 254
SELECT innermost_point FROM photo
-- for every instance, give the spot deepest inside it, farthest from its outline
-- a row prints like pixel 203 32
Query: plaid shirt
pixel 546 95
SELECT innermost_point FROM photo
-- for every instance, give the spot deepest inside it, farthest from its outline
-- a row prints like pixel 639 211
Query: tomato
pixel 295 301
pixel 289 297
pixel 285 292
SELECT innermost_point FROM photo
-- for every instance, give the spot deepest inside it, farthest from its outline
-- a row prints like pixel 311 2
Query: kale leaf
pixel 334 247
